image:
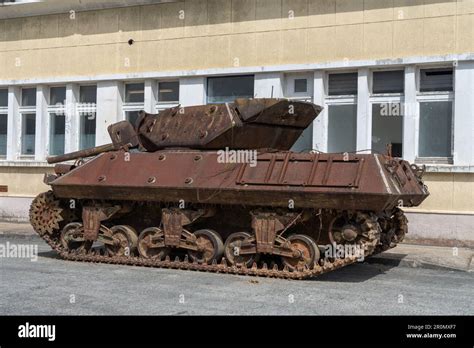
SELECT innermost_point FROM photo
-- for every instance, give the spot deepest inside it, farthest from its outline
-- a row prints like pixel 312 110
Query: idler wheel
pixel 209 247
pixel 147 244
pixel 72 238
pixel 305 250
pixel 232 249
pixel 124 241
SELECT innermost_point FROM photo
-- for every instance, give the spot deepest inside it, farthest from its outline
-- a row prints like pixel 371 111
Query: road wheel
pixel 232 250
pixel 147 244
pixel 125 241
pixel 72 238
pixel 210 247
pixel 305 251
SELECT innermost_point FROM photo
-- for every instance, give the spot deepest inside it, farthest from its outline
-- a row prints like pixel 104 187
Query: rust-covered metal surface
pixel 244 124
pixel 214 188
pixel 323 180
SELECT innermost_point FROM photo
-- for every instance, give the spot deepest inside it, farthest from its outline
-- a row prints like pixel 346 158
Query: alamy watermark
pixel 20 251
pixel 338 251
pixel 237 156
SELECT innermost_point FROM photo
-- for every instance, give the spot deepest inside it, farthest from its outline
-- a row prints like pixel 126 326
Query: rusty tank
pixel 216 188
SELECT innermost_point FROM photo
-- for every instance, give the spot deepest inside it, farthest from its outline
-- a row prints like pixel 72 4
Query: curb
pixel 411 262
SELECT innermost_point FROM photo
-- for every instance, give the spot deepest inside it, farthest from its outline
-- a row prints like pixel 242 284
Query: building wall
pixel 202 34
pixel 275 40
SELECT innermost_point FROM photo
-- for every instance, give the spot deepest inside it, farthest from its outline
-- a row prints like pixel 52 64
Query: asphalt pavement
pixel 47 285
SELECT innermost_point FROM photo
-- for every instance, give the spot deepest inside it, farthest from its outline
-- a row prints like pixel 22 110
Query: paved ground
pixel 48 286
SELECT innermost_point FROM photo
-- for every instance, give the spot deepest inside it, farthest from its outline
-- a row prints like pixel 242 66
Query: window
pixel 88 95
pixel 28 97
pixel 3 98
pixel 57 133
pixel 342 84
pixel 435 138
pixel 301 85
pixel 57 96
pixel 388 82
pixel 342 128
pixel 131 116
pixel 387 128
pixel 436 80
pixel 28 121
pixel 134 101
pixel 57 120
pixel 88 129
pixel 3 134
pixel 3 121
pixel 87 116
pixel 168 91
pixel 135 93
pixel 342 112
pixel 228 88
pixel 28 134
pixel 435 105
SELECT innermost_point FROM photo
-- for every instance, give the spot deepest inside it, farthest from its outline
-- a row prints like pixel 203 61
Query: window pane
pixel 168 91
pixel 3 97
pixel 343 84
pixel 87 136
pixel 227 89
pixel 387 128
pixel 301 85
pixel 3 134
pixel 132 116
pixel 135 93
pixel 432 80
pixel 57 95
pixel 88 94
pixel 342 132
pixel 435 138
pixel 28 134
pixel 388 81
pixel 28 97
pixel 57 132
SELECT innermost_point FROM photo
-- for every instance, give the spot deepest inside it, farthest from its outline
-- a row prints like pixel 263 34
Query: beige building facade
pixel 398 72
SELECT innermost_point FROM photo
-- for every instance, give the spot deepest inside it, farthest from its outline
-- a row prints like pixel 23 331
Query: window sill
pixel 448 168
pixel 25 163
pixel 434 160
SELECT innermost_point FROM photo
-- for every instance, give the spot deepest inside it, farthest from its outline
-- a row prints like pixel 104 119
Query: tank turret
pixel 244 124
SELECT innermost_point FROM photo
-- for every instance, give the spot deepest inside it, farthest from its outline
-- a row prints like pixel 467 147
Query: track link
pixel 262 270
pixel 185 264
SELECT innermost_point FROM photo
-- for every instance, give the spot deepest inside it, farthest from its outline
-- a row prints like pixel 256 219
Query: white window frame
pixel 26 110
pixel 131 107
pixel 4 111
pixel 385 98
pixel 85 108
pixel 333 100
pixel 440 96
pixel 300 96
pixel 163 105
pixel 54 109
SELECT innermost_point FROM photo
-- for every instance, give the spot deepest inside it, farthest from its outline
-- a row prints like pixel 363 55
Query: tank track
pixel 372 237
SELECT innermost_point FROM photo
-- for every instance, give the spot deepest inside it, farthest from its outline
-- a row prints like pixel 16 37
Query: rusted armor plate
pixel 361 182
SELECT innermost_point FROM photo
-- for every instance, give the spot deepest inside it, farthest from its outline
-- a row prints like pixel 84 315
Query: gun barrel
pixel 93 151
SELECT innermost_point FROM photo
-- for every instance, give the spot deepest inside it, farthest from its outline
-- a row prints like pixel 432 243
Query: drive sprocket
pixel 46 213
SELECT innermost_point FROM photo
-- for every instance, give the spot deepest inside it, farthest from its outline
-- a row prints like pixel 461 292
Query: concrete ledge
pixel 433 257
pixel 15 209
pixel 453 230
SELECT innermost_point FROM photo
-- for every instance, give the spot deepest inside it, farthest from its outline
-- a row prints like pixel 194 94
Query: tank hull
pixel 327 181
